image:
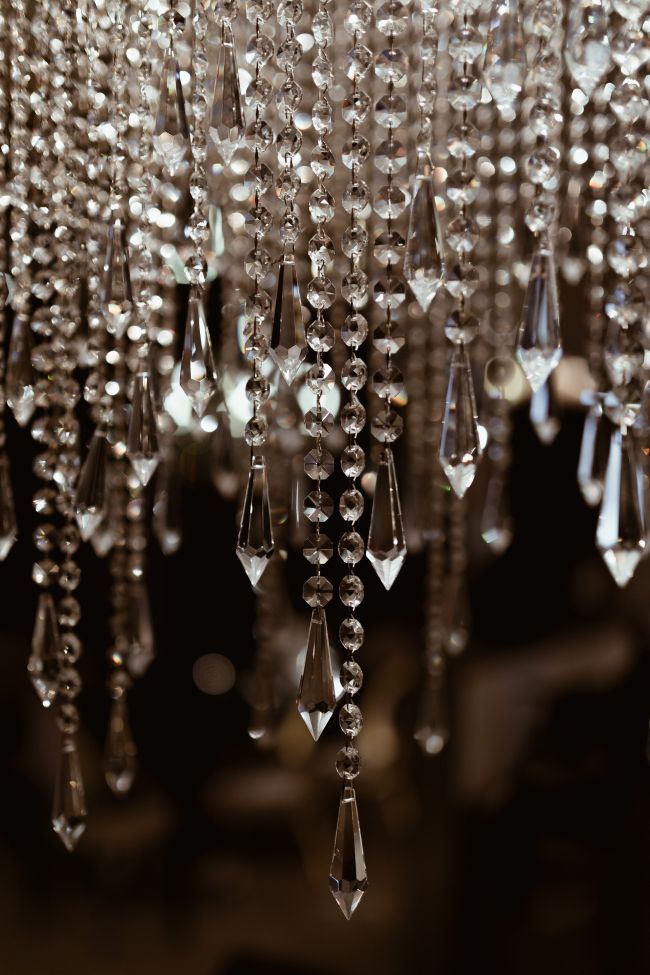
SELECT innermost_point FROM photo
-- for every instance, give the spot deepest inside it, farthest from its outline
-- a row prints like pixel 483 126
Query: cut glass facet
pixel 317 697
pixel 539 343
pixel 255 539
pixel 348 877
pixel 386 540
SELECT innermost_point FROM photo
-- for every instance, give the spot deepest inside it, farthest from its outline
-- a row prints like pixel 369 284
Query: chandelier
pixel 384 205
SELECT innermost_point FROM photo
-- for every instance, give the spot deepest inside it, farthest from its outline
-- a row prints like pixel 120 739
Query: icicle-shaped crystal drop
pixel 288 347
pixel 424 257
pixel 591 467
pixel 460 444
pixel 43 663
pixel 544 413
pixel 198 377
pixel 386 549
pixel 171 137
pixel 120 754
pixel 117 294
pixel 623 354
pixel 90 506
pixel 432 725
pixel 227 118
pixel 496 522
pixel 8 525
pixel 504 67
pixel 167 514
pixel 69 808
pixel 539 343
pixel 620 535
pixel 255 538
pixel 586 49
pixel 317 697
pixel 142 440
pixel 19 382
pixel 348 877
pixel 140 645
pixel 225 471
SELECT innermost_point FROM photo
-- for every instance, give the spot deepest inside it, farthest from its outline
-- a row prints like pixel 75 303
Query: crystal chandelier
pixel 389 202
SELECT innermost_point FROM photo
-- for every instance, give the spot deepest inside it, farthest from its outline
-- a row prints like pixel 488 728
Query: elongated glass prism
pixel 424 258
pixel 8 524
pixel 317 696
pixel 593 453
pixel 167 508
pixel 496 522
pixel 504 66
pixel 120 753
pixel 432 724
pixel 142 439
pixel 386 549
pixel 539 342
pixel 621 531
pixel 545 413
pixel 140 647
pixel 198 376
pixel 255 539
pixel 90 507
pixel 460 445
pixel 227 117
pixel 69 808
pixel 117 293
pixel 348 876
pixel 171 137
pixel 19 381
pixel 288 346
pixel 586 49
pixel 43 663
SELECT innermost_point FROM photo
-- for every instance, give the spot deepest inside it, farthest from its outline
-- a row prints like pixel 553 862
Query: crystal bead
pixel 351 633
pixel 355 107
pixel 321 293
pixel 354 241
pixel 321 336
pixel 386 340
pixel 464 92
pixel 255 538
pixel 317 591
pixel 353 460
pixel 351 548
pixel 317 696
pixel 256 431
pixel 318 421
pixel 320 377
pixel 463 186
pixel 390 111
pixel 318 506
pixel 318 549
pixel 389 202
pixel 321 249
pixel 351 505
pixel 466 44
pixel 461 328
pixel 348 763
pixel 69 808
pixel 357 62
pixel 354 374
pixel 351 591
pixel 387 426
pixel 354 287
pixel 391 65
pixel 460 446
pixel 350 719
pixel 358 17
pixel 463 140
pixel 319 464
pixel 388 247
pixel 621 531
pixel 289 53
pixel 353 416
pixel 542 164
pixel 351 677
pixel 390 156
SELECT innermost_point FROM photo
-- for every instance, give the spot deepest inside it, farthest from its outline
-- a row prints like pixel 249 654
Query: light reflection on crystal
pixel 317 697
pixel 142 440
pixel 117 295
pixel 621 532
pixel 386 540
pixel 423 261
pixel 255 539
pixel 198 377
pixel 348 877
pixel 288 346
pixel 226 120
pixel 539 344
pixel 504 66
pixel 90 500
pixel 586 50
pixel 171 138
pixel 43 664
pixel 69 808
pixel 19 382
pixel 460 444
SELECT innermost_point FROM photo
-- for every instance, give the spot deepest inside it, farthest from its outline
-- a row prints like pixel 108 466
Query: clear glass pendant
pixel 117 294
pixel 586 50
pixel 593 453
pixel 432 725
pixel 8 524
pixel 544 413
pixel 348 877
pixel 621 532
pixel 386 540
pixel 120 754
pixel 460 445
pixel 255 539
pixel 171 137
pixel 496 521
pixel 90 507
pixel 140 645
pixel 539 343
pixel 504 67
pixel 227 118
pixel 424 258
pixel 288 345
pixel 43 664
pixel 142 440
pixel 69 808
pixel 19 382
pixel 198 376
pixel 167 507
pixel 317 697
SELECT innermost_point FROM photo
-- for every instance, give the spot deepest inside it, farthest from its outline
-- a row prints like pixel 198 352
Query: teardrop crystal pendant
pixel 460 444
pixel 167 514
pixel 255 539
pixel 496 522
pixel 504 67
pixel 19 382
pixel 120 754
pixel 90 506
pixel 386 549
pixel 43 663
pixel 539 343
pixel 69 809
pixel 432 725
pixel 348 877
pixel 544 413
pixel 591 467
pixel 8 524
pixel 586 50
pixel 621 533
pixel 198 377
pixel 424 257
pixel 227 118
pixel 171 137
pixel 317 697
pixel 288 347
pixel 117 294
pixel 142 440
pixel 140 647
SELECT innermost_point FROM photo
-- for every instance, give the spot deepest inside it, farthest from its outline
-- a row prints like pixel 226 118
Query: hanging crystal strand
pixel 8 526
pixel 288 347
pixel 460 447
pixel 539 344
pixel 317 698
pixel 255 544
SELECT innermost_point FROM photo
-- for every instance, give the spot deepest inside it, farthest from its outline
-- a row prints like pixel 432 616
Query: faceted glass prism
pixel 586 49
pixel 504 67
pixel 545 413
pixel 198 376
pixel 167 507
pixel 432 725
pixel 539 342
pixel 142 439
pixel 288 344
pixel 386 540
pixel 120 753
pixel 593 454
pixel 8 524
pixel 19 382
pixel 496 522
pixel 43 664
pixel 171 137
pixel 460 446
pixel 117 294
pixel 90 505
pixel 69 807
pixel 255 539
pixel 140 648
pixel 348 876
pixel 317 696
pixel 424 258
pixel 226 126
pixel 621 531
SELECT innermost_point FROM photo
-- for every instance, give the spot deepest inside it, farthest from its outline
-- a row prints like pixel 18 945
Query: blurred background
pixel 523 846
